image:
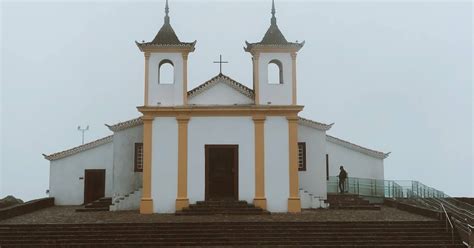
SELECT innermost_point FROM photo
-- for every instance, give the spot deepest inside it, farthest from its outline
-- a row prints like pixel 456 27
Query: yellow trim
pixel 256 79
pixel 245 110
pixel 185 78
pixel 293 59
pixel 182 200
pixel 259 201
pixel 294 204
pixel 147 63
pixel 146 204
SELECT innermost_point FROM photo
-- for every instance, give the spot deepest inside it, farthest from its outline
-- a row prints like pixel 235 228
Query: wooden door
pixel 221 172
pixel 94 185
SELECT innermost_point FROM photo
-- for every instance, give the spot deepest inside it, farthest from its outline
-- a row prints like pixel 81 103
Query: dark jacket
pixel 342 174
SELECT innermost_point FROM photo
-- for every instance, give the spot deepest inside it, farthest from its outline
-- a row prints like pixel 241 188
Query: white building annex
pixel 218 141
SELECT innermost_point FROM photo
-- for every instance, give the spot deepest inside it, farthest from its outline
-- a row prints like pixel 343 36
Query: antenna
pixel 83 130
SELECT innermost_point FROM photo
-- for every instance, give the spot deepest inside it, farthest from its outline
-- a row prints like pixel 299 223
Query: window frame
pixel 138 149
pixel 302 149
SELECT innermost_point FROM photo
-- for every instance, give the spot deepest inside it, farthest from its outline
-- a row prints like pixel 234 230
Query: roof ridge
pixel 125 124
pixel 353 146
pixel 314 124
pixel 77 149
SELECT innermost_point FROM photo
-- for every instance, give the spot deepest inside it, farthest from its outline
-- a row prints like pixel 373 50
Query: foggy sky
pixel 392 76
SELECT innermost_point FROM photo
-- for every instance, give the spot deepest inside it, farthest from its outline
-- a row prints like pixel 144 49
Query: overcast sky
pixel 392 76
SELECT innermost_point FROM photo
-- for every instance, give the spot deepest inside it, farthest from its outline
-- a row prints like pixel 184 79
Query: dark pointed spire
pixel 167 10
pixel 274 20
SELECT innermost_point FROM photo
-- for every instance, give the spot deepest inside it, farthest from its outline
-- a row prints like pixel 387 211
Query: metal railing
pixel 460 215
pixel 448 220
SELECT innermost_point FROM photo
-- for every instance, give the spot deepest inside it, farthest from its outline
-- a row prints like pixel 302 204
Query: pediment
pixel 221 90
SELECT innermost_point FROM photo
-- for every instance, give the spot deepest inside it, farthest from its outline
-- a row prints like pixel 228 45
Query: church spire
pixel 274 20
pixel 167 10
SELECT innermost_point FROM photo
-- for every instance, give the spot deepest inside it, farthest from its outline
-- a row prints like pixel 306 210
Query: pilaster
pixel 294 204
pixel 182 200
pixel 146 203
pixel 259 125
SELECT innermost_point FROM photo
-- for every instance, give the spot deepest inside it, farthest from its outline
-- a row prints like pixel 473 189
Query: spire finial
pixel 167 10
pixel 273 13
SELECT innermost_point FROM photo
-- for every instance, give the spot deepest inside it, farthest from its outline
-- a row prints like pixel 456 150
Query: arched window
pixel 275 72
pixel 166 72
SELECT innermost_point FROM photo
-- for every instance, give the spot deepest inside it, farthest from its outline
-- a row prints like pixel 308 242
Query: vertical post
pixel 185 78
pixel 256 77
pixel 293 81
pixel 147 62
pixel 294 204
pixel 146 204
pixel 182 200
pixel 260 200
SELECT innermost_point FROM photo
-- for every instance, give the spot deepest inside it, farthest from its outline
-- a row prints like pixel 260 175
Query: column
pixel 146 203
pixel 293 59
pixel 185 78
pixel 256 77
pixel 294 204
pixel 182 200
pixel 147 62
pixel 260 200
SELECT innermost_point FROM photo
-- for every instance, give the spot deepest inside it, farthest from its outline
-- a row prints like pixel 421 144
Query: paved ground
pixel 63 214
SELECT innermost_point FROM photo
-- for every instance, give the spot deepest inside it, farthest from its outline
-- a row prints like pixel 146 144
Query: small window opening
pixel 275 72
pixel 166 72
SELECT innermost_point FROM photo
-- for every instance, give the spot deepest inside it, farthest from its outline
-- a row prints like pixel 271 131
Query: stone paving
pixel 67 214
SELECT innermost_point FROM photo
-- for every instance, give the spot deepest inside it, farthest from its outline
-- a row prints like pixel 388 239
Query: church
pixel 219 141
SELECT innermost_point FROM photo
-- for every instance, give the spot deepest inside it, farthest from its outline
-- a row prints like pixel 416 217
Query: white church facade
pixel 218 141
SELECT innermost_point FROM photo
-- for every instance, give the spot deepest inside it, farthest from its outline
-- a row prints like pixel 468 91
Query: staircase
pixel 309 200
pixel 99 205
pixel 430 234
pixel 349 201
pixel 127 202
pixel 221 207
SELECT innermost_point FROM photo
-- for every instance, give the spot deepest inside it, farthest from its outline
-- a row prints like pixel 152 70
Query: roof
pixel 314 124
pixel 274 37
pixel 125 125
pixel 78 149
pixel 225 79
pixel 166 37
pixel 352 146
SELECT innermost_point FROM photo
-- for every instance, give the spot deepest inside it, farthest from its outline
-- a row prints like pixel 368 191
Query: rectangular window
pixel 327 167
pixel 138 157
pixel 301 156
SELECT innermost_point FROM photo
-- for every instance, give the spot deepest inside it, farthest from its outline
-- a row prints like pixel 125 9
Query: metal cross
pixel 220 62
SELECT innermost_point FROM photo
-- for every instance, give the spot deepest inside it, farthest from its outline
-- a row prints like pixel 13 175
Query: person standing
pixel 342 179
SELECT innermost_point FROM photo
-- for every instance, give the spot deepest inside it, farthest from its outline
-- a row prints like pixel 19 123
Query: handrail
pixel 450 223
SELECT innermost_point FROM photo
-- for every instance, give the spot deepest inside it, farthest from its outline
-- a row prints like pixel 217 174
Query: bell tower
pixel 166 54
pixel 274 51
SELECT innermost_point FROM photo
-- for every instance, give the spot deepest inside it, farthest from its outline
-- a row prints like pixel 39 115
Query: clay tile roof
pixel 225 79
pixel 274 37
pixel 314 124
pixel 78 149
pixel 125 125
pixel 358 148
pixel 166 37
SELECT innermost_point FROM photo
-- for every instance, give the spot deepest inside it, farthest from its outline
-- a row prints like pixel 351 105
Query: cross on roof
pixel 220 62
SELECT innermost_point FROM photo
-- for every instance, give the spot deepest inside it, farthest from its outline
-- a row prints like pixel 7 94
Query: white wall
pixel 276 164
pixel 64 183
pixel 166 94
pixel 125 179
pixel 220 130
pixel 164 164
pixel 278 94
pixel 220 94
pixel 313 179
pixel 355 163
